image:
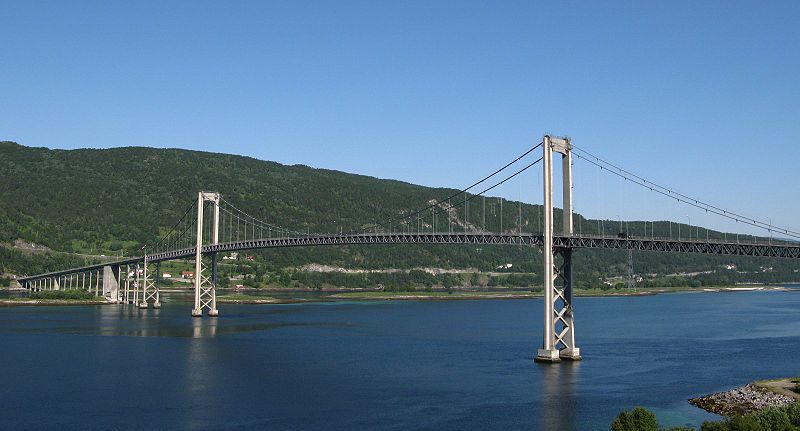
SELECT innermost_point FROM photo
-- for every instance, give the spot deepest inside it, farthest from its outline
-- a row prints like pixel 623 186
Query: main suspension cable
pixel 636 179
pixel 465 190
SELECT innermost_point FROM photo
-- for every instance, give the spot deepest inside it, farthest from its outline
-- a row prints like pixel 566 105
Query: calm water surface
pixel 437 365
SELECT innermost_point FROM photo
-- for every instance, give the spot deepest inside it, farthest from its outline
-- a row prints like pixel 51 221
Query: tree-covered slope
pixel 103 201
pixel 99 201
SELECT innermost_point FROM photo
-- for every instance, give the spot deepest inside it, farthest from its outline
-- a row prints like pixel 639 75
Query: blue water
pixel 437 365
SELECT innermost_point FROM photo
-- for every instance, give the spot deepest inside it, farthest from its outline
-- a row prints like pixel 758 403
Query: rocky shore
pixel 742 400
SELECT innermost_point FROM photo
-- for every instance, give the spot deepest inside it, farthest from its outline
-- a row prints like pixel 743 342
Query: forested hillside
pixel 111 201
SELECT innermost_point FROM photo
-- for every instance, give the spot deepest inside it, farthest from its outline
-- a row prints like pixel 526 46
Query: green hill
pixel 111 201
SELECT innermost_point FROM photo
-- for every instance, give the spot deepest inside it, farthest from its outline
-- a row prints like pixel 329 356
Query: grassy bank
pixel 65 295
pixel 510 294
pixel 56 297
pixel 433 295
pixel 789 387
pixel 239 298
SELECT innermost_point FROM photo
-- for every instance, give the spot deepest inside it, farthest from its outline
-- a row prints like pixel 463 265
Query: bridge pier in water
pixel 111 278
pixel 559 326
pixel 205 277
pixel 150 287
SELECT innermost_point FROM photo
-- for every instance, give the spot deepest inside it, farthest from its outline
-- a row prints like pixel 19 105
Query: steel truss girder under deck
pixel 784 251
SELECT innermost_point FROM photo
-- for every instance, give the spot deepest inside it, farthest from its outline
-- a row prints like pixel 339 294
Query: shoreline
pixel 51 302
pixel 750 398
pixel 444 296
pixel 360 295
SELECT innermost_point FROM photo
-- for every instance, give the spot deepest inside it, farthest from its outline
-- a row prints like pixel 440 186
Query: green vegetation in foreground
pixel 67 295
pixel 5 282
pixel 774 419
pixel 638 419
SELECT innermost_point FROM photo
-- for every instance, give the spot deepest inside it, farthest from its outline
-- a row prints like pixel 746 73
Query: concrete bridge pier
pixel 559 328
pixel 111 282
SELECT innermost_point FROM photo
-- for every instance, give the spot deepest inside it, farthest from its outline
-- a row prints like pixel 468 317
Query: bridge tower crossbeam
pixel 559 325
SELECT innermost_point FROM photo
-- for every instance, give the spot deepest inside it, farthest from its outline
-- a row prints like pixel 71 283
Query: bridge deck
pixel 781 250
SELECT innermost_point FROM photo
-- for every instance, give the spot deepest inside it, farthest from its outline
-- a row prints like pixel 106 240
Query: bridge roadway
pixel 782 250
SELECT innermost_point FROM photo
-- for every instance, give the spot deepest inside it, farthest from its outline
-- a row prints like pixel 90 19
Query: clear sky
pixel 703 96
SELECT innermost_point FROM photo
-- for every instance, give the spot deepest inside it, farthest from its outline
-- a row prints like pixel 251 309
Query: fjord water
pixel 432 365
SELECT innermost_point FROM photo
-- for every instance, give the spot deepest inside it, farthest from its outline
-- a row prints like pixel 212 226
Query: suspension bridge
pixel 212 225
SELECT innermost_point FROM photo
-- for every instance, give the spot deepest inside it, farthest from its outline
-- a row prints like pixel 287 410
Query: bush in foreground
pixel 638 419
pixel 775 419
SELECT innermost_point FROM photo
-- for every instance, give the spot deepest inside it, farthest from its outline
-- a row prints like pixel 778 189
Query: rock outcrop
pixel 739 401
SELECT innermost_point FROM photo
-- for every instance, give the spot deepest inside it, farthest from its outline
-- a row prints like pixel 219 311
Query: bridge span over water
pixel 723 248
pixel 207 229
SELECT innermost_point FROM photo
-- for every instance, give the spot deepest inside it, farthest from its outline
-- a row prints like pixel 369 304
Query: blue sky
pixel 701 96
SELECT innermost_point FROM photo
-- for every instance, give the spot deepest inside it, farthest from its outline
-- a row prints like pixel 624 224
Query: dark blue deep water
pixel 438 365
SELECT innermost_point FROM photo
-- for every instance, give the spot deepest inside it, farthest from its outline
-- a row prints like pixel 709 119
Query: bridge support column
pixel 157 297
pixel 149 285
pixel 559 332
pixel 205 280
pixel 111 283
pixel 136 284
pixel 126 292
pixel 564 323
